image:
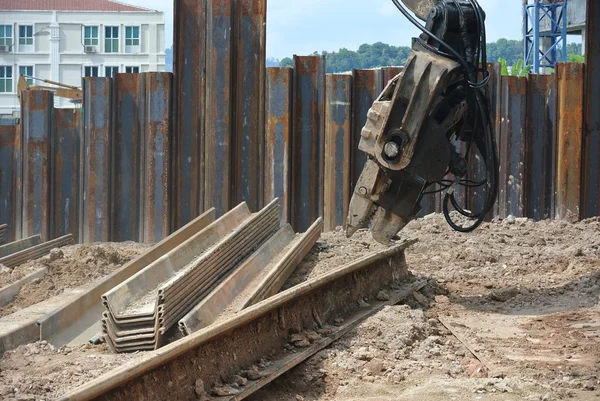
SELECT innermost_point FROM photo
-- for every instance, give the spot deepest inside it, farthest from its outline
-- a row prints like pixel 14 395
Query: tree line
pixel 381 55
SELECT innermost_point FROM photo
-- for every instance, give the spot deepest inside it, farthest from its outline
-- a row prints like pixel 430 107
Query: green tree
pixel 286 62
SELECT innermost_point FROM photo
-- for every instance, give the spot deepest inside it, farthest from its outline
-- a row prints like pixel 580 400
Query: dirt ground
pixel 521 296
pixel 511 313
pixel 68 267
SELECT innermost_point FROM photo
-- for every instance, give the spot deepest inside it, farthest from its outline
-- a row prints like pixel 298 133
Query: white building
pixel 65 40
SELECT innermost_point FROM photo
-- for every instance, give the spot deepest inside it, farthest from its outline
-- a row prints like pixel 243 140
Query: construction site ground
pixel 511 312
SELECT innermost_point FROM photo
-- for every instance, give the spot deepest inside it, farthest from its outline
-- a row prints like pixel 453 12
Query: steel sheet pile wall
pixel 220 82
pixel 308 148
pixel 190 88
pixel 338 126
pixel 66 172
pixel 591 155
pixel 10 160
pixel 278 137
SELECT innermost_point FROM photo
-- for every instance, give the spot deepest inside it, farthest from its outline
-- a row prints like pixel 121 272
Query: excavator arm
pixel 412 128
pixel 59 89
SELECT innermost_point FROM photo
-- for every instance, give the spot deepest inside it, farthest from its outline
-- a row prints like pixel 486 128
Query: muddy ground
pixel 511 313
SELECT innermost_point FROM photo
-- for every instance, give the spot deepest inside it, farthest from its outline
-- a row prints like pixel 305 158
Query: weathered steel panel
pixel 591 162
pixel 126 182
pixel 308 141
pixel 540 145
pixel 219 105
pixel 37 115
pixel 367 86
pixel 157 128
pixel 278 133
pixel 338 128
pixel 248 138
pixel 512 149
pixel 569 139
pixel 96 160
pixel 67 132
pixel 10 159
pixel 189 64
pixel 495 97
pixel 390 73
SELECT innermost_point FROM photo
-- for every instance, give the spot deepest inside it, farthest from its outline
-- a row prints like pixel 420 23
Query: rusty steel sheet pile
pixel 140 311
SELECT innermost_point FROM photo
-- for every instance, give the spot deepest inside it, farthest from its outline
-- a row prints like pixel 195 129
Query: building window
pixel 132 39
pixel 26 38
pixel 90 71
pixel 6 79
pixel 110 72
pixel 6 36
pixel 111 39
pixel 28 71
pixel 90 36
pixel 132 70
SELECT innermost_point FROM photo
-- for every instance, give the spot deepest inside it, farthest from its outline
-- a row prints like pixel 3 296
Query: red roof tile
pixel 68 5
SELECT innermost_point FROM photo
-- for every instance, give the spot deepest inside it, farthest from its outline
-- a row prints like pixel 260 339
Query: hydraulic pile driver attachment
pixel 438 99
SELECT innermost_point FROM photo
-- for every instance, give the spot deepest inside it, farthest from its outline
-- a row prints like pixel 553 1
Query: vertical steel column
pixel 495 98
pixel 249 109
pixel 570 138
pixel 278 133
pixel 338 128
pixel 189 64
pixel 540 145
pixel 65 179
pixel 10 160
pixel 513 151
pixel 591 164
pixel 219 51
pixel 367 86
pixel 37 115
pixel 157 130
pixel 126 182
pixel 96 160
pixel 308 141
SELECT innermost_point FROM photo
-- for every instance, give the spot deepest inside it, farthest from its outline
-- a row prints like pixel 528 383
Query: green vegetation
pixel 381 54
pixel 518 69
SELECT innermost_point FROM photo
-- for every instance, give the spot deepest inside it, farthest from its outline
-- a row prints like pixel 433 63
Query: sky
pixel 304 26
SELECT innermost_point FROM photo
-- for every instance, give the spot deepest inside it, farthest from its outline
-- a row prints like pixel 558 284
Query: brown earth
pixel 511 313
pixel 69 267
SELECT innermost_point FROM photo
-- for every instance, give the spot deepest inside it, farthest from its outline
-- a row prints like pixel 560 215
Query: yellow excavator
pixel 61 90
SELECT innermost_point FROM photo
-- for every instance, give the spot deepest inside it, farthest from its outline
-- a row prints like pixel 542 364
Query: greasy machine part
pixel 411 127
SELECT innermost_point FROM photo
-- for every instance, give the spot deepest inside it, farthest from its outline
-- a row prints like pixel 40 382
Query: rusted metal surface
pixel 19 245
pixel 512 194
pixel 10 160
pixel 37 118
pixel 219 105
pixel 389 73
pixel 96 161
pixel 569 139
pixel 157 129
pixel 222 350
pixel 249 109
pixel 66 172
pixel 126 183
pixel 366 87
pixel 591 162
pixel 308 141
pixel 278 134
pixel 3 235
pixel 541 95
pixel 338 125
pixel 190 86
pixel 495 98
